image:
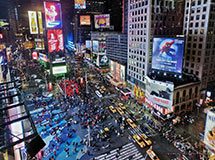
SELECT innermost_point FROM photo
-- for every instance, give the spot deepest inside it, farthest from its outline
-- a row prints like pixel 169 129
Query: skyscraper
pixel 199 28
pixel 147 19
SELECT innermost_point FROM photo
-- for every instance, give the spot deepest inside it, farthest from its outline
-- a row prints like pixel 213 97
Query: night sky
pixel 3 9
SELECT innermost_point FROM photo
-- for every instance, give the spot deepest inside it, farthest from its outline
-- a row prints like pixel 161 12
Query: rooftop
pixel 177 80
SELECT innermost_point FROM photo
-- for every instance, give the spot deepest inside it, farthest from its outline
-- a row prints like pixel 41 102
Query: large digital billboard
pixel 55 40
pixel 40 21
pixel 80 4
pixel 209 137
pixel 168 54
pixel 85 20
pixel 95 46
pixel 32 16
pixel 102 21
pixel 39 44
pixel 43 57
pixel 88 44
pixel 3 57
pixel 102 46
pixel 160 93
pixel 53 15
pixel 59 70
pixel 103 60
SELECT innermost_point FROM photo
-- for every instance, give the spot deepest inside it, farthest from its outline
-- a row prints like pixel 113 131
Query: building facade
pixel 147 19
pixel 199 28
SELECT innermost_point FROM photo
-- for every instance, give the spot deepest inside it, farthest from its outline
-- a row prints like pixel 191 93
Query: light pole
pixel 88 129
pixel 64 86
pixel 86 82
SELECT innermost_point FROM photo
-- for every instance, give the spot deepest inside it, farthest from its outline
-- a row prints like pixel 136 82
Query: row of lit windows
pixel 138 3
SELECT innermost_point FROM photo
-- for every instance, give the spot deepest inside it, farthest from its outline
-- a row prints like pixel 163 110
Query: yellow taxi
pixel 146 139
pixel 152 154
pixel 121 112
pixel 112 109
pixel 122 106
pixel 139 141
pixel 131 123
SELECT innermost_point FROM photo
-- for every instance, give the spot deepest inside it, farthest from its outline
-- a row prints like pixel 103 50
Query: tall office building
pixel 199 28
pixel 147 19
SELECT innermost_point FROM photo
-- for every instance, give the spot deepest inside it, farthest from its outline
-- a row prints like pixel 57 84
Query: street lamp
pixel 64 78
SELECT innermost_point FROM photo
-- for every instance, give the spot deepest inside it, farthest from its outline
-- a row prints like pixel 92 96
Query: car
pixel 112 109
pixel 120 111
pixel 98 94
pixel 139 140
pixel 152 154
pixel 131 123
pixel 122 106
pixel 146 139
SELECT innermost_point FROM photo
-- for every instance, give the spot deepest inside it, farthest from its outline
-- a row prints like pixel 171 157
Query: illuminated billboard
pixel 95 46
pixel 40 22
pixel 117 71
pixel 168 54
pixel 43 57
pixel 39 44
pixel 80 4
pixel 102 21
pixel 32 16
pixel 55 40
pixel 102 46
pixel 160 93
pixel 3 57
pixel 209 137
pixel 59 70
pixel 103 60
pixel 53 15
pixel 88 44
pixel 85 20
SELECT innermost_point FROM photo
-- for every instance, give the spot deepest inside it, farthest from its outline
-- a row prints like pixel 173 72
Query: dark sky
pixel 3 9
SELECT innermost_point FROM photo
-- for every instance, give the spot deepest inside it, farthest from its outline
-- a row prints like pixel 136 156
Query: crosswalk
pixel 126 152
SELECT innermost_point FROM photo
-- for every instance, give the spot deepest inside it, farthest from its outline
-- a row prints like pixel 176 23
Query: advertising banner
pixel 96 46
pixel 55 40
pixel 3 57
pixel 32 16
pixel 102 21
pixel 43 57
pixel 39 44
pixel 85 20
pixel 102 46
pixel 103 60
pixel 160 93
pixel 40 21
pixel 53 15
pixel 59 70
pixel 80 4
pixel 88 44
pixel 168 54
pixel 35 55
pixel 209 137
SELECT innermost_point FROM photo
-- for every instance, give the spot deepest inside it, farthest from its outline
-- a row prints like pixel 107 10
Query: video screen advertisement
pixel 103 61
pixel 55 40
pixel 3 57
pixel 88 44
pixel 209 137
pixel 40 21
pixel 168 54
pixel 59 70
pixel 32 16
pixel 96 46
pixel 102 21
pixel 80 4
pixel 160 93
pixel 53 15
pixel 85 20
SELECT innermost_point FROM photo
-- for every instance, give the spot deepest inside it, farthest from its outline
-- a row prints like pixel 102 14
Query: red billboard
pixel 53 15
pixel 55 40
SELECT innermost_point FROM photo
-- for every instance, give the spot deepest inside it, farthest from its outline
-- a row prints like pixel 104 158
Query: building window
pixel 190 93
pixel 177 97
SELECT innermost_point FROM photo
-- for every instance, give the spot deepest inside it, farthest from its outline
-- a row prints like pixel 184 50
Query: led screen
pixel 168 54
pixel 80 4
pixel 55 40
pixel 88 44
pixel 40 22
pixel 103 60
pixel 59 70
pixel 159 93
pixel 95 46
pixel 53 15
pixel 102 21
pixel 32 16
pixel 85 20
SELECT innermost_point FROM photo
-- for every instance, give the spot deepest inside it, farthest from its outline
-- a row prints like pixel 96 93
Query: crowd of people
pixel 70 87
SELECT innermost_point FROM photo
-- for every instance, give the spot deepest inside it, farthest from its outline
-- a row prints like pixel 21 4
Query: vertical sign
pixel 40 21
pixel 32 15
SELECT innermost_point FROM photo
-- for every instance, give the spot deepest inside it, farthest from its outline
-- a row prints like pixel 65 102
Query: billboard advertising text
pixel 159 93
pixel 40 21
pixel 85 20
pixel 102 21
pixel 53 15
pixel 168 54
pixel 209 137
pixel 55 40
pixel 96 46
pixel 32 16
pixel 80 4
